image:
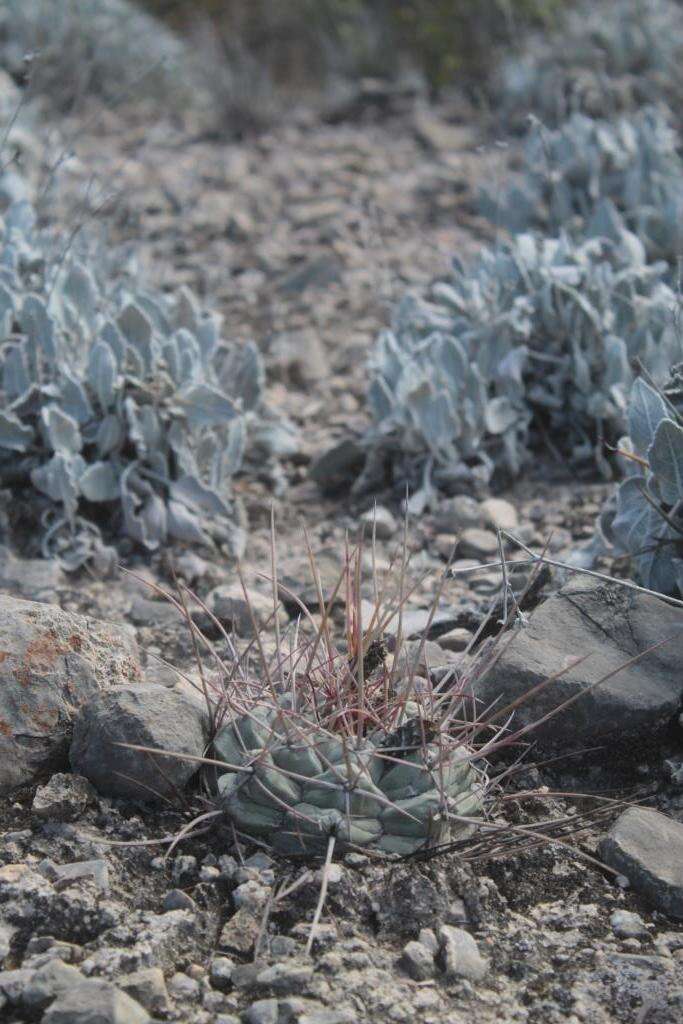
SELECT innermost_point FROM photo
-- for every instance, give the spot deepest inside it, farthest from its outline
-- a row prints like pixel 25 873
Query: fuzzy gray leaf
pixel 102 373
pixel 62 430
pixel 185 525
pixel 14 435
pixel 99 482
pixel 665 456
pixel 137 331
pixel 205 406
pixel 501 415
pixel 81 289
pixel 646 410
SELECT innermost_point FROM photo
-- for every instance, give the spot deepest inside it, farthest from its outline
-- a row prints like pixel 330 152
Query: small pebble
pixel 176 899
pixel 418 961
pixel 627 925
pixel 220 972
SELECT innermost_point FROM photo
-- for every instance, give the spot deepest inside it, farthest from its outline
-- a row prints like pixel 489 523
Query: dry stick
pixel 143 842
pixel 323 894
pixel 668 519
pixel 257 634
pixel 276 599
pixel 195 650
pixel 535 559
pixel 360 659
pixel 184 832
pixel 263 925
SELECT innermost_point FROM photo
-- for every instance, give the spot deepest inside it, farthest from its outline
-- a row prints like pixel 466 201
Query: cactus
pixel 391 792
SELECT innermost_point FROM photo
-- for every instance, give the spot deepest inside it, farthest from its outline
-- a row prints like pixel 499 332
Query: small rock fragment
pixel 285 978
pixel 240 931
pixel 648 848
pixel 176 899
pixel 64 797
pixel 182 986
pixel 52 662
pixel 627 925
pixel 250 895
pixel 48 982
pixel 380 521
pixel 476 543
pixel 98 870
pixel 263 1011
pixel 428 938
pixel 456 640
pixel 417 961
pixel 148 987
pixel 457 514
pixel 231 607
pixel 220 972
pixel 499 514
pixel 460 954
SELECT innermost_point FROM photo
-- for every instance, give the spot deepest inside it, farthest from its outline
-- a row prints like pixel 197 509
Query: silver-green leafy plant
pixel 605 57
pixel 121 409
pixel 540 335
pixel 632 161
pixel 644 518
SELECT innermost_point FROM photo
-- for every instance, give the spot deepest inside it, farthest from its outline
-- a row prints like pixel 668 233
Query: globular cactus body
pixel 297 784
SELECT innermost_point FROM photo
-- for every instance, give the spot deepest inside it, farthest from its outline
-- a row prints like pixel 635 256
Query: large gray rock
pixel 647 847
pixel 51 662
pixel 95 1002
pixel 148 716
pixel 611 625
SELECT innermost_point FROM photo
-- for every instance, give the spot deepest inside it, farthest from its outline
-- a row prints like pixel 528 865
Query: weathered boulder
pixel 647 847
pixel 148 716
pixel 610 625
pixel 51 661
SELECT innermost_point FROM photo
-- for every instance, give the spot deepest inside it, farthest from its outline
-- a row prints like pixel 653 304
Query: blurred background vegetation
pixel 299 43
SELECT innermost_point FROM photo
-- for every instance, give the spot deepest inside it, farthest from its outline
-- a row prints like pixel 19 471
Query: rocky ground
pixel 303 238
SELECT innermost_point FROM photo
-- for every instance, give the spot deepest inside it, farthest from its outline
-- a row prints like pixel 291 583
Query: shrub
pixel 103 48
pixel 539 335
pixel 608 56
pixel 120 407
pixel 632 161
pixel 644 518
pixel 442 38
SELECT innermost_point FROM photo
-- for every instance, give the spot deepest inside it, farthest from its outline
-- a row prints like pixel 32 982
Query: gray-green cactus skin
pixel 393 794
